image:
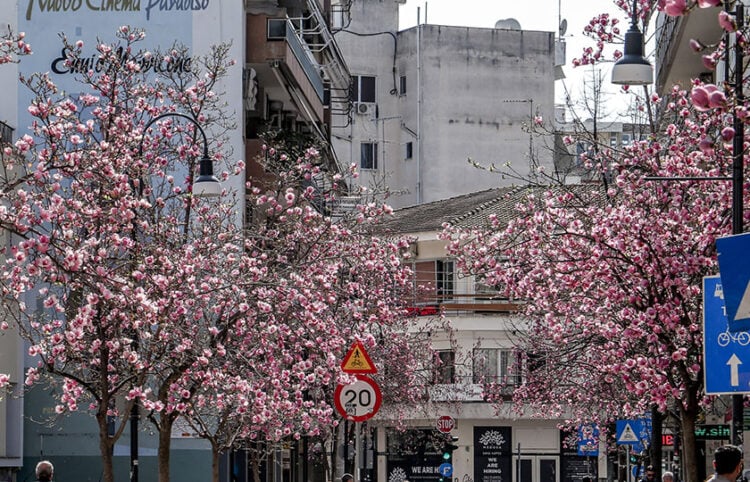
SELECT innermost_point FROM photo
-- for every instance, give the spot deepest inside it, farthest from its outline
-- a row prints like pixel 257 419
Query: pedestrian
pixel 667 477
pixel 586 479
pixel 728 464
pixel 44 471
pixel 650 474
pixel 347 478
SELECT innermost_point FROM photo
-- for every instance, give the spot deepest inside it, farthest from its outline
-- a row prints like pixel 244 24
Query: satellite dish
pixel 508 24
pixel 563 27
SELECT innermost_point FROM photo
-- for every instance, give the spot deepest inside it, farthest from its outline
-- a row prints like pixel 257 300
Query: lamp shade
pixel 633 68
pixel 206 185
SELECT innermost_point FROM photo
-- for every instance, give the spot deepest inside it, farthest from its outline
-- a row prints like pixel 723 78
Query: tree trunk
pixel 165 442
pixel 215 463
pixel 256 463
pixel 688 415
pixel 106 447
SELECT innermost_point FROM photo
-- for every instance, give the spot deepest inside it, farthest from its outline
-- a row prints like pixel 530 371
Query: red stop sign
pixel 445 424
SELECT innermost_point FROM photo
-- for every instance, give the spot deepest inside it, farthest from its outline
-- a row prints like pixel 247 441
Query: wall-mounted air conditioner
pixel 365 108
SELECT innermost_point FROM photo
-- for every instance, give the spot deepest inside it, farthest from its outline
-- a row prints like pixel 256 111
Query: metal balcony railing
pixel 321 48
pixel 463 303
pixel 305 59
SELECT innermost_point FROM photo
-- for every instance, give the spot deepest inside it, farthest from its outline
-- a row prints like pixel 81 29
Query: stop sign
pixel 445 424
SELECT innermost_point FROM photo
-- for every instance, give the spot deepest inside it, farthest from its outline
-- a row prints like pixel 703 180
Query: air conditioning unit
pixel 365 108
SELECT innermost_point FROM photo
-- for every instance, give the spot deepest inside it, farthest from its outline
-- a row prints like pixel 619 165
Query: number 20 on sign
pixel 358 401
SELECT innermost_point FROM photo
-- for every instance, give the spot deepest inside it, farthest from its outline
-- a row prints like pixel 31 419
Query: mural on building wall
pixel 493 449
pixel 166 23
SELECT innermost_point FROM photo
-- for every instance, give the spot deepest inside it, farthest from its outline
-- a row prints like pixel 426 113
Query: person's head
pixel 347 478
pixel 667 477
pixel 728 461
pixel 44 471
pixel 650 473
pixel 586 479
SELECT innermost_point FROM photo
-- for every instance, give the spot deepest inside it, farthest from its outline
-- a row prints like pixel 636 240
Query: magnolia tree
pixel 130 290
pixel 107 279
pixel 13 45
pixel 610 280
pixel 610 274
pixel 309 286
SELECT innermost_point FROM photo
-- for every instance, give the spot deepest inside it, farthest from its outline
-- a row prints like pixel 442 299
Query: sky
pixel 546 15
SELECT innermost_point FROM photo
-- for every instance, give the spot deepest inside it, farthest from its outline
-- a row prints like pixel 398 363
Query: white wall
pixel 469 92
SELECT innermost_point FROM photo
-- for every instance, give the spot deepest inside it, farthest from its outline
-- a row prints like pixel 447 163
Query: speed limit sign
pixel 358 401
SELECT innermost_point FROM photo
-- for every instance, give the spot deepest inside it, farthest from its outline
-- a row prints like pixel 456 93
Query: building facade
pixel 288 80
pixel 427 100
pixel 493 441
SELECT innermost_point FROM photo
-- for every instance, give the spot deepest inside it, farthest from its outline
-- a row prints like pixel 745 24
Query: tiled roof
pixel 468 210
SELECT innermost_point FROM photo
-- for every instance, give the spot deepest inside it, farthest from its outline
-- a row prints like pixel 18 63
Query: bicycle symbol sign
pixel 742 337
pixel 725 370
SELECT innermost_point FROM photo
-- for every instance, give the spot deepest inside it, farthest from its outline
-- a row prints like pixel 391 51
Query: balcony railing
pixel 463 303
pixel 305 60
pixel 465 390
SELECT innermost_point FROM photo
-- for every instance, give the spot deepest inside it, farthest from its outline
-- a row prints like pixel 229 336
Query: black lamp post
pixel 633 68
pixel 206 185
pixel 737 182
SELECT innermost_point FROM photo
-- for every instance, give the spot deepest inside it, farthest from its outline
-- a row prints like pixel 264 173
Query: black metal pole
pixel 737 201
pixel 134 442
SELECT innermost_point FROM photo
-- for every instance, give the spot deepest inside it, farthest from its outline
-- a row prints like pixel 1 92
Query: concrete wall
pixel 478 88
pixel 469 91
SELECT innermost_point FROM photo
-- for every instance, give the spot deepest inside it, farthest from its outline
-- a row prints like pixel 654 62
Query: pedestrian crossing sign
pixel 627 435
pixel 357 360
pixel 636 433
pixel 734 268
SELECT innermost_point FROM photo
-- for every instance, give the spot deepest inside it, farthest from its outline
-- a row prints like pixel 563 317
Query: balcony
pixel 676 62
pixel 457 304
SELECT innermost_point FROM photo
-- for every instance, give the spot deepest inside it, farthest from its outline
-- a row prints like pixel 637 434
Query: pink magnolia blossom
pixel 727 21
pixel 675 8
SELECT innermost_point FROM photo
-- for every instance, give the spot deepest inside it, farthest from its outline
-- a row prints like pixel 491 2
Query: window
pixel 626 139
pixel 6 133
pixel 402 85
pixel 363 88
pixel 445 367
pixel 497 365
pixel 444 274
pixel 276 29
pixel 368 155
pixel 409 150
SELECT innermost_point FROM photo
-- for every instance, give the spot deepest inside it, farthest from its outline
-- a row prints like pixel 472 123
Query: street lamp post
pixel 205 185
pixel 737 182
pixel 633 68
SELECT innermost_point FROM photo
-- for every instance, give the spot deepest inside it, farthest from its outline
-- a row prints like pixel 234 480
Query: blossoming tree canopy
pixel 129 289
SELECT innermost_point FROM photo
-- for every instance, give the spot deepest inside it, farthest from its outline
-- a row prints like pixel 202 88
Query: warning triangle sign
pixel 357 360
pixel 743 311
pixel 628 435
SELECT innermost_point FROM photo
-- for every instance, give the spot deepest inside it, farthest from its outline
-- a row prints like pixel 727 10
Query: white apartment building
pixel 494 443
pixel 427 99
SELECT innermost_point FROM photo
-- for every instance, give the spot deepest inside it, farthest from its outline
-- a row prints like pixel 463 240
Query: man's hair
pixel 44 471
pixel 347 477
pixel 727 458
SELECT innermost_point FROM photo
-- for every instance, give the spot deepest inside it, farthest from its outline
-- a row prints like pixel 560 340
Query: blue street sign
pixel 588 440
pixel 725 354
pixel 636 433
pixel 734 268
pixel 445 470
